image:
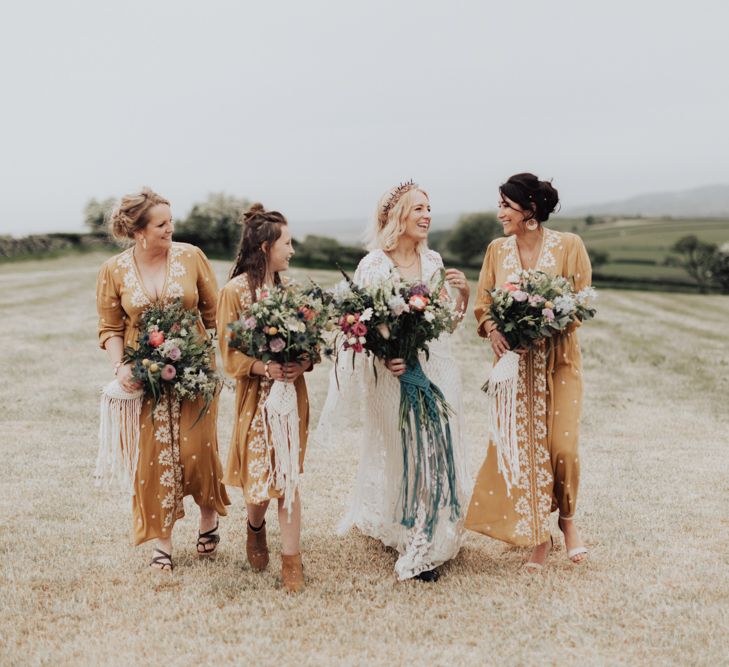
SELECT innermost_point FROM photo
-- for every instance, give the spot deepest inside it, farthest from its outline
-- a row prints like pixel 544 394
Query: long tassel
pixel 281 424
pixel 118 454
pixel 429 471
pixel 501 407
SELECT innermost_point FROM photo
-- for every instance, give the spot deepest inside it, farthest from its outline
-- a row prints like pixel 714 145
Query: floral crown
pixel 397 193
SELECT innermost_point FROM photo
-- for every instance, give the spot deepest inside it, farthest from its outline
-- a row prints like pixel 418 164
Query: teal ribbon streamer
pixel 429 471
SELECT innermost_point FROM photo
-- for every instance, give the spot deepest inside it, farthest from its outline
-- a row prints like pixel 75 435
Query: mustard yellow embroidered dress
pixel 549 402
pixel 250 458
pixel 176 459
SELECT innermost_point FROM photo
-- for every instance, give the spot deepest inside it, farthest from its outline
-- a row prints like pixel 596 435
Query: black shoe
pixel 428 575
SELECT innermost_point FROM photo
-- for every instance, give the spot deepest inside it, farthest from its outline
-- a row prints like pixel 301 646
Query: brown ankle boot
pixel 292 573
pixel 256 547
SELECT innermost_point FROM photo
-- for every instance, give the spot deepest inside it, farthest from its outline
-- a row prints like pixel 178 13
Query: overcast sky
pixel 315 107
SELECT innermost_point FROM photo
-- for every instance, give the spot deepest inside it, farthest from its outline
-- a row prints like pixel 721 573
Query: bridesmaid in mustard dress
pixel 549 385
pixel 176 459
pixel 265 250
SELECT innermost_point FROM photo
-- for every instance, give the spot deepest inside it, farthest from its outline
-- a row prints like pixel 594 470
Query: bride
pixel 399 245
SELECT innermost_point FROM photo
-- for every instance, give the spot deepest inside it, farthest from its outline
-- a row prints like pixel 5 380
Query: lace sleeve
pixel 373 267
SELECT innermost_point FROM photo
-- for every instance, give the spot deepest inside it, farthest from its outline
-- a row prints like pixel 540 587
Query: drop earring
pixel 144 242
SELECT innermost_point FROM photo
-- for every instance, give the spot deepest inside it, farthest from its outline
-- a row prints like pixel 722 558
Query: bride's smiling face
pixel 417 221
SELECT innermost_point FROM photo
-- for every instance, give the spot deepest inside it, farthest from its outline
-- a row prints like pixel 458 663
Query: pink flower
pixel 519 295
pixel 510 287
pixel 418 302
pixel 277 344
pixel 174 353
pixel 250 322
pixel 359 329
pixel 156 338
pixel 548 314
pixel 535 300
pixel 168 372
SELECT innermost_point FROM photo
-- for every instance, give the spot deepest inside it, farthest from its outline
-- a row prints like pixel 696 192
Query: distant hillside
pixel 711 201
pixel 352 230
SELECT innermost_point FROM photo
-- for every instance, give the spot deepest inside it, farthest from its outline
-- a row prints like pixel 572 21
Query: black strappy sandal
pixel 207 539
pixel 163 562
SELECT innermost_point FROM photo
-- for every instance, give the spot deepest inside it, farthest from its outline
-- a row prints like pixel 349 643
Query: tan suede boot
pixel 256 547
pixel 292 573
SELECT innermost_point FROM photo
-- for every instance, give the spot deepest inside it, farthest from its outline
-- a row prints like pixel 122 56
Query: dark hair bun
pixel 253 211
pixel 532 194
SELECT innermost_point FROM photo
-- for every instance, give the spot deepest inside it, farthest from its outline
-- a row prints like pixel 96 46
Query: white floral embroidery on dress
pixel 138 298
pixel 547 261
pixel 259 449
pixel 176 270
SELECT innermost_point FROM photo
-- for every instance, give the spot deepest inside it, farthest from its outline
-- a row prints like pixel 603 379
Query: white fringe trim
pixel 501 407
pixel 281 423
pixel 118 437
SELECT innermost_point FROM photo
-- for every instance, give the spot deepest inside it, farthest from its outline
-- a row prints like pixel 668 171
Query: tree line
pixel 213 226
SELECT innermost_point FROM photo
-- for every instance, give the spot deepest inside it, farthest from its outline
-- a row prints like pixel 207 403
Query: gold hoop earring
pixel 532 225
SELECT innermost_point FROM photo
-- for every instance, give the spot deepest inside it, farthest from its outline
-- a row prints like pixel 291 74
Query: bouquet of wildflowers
pixel 172 356
pixel 392 319
pixel 397 320
pixel 285 324
pixel 533 305
pixel 529 307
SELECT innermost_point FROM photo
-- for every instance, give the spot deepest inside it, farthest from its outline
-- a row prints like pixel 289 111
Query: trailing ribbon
pixel 501 391
pixel 429 472
pixel 281 423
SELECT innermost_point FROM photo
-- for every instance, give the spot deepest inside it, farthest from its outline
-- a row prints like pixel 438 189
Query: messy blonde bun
pixel 131 214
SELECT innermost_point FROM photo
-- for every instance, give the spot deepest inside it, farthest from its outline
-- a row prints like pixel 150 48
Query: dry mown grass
pixel 653 509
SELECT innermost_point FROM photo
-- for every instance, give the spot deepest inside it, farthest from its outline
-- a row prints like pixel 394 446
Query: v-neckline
pixel 539 256
pixel 407 280
pixel 141 281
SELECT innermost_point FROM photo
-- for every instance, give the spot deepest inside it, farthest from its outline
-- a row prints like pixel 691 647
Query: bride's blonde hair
pixel 389 223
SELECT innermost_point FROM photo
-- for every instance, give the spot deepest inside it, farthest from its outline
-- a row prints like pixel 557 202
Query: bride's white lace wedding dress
pixel 376 498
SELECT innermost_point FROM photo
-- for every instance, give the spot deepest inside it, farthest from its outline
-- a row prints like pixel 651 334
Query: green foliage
pixel 324 252
pixel 213 224
pixel 720 268
pixel 697 258
pixel 471 235
pixel 97 213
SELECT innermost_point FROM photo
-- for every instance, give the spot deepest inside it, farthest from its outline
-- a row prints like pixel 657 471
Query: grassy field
pixel 653 510
pixel 639 247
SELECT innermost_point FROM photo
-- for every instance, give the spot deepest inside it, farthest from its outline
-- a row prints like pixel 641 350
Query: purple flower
pixel 174 353
pixel 168 372
pixel 420 289
pixel 277 344
pixel 548 314
pixel 535 300
pixel 250 322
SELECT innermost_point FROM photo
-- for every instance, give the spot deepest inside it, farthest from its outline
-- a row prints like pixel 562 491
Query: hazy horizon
pixel 315 109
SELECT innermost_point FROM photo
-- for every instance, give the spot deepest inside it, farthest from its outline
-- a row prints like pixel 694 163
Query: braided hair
pixel 259 226
pixel 537 198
